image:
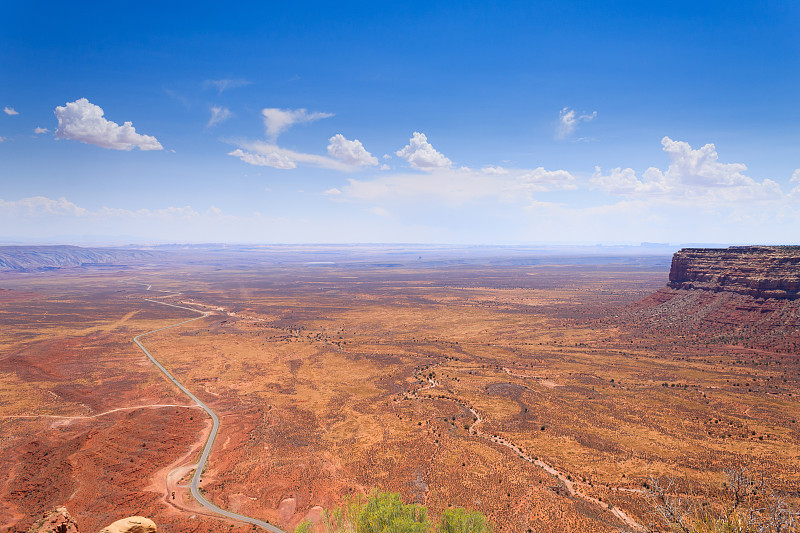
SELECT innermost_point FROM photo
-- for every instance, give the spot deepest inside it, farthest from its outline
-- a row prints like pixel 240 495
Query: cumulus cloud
pixel 421 155
pixel 83 121
pixel 350 152
pixel 332 192
pixel 218 114
pixel 279 120
pixel 568 122
pixel 343 154
pixel 10 111
pixel 455 186
pixel 796 180
pixel 225 84
pixel 692 175
pixel 39 130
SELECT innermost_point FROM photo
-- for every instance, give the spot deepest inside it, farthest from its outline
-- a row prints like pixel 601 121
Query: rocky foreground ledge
pixel 60 521
pixel 757 271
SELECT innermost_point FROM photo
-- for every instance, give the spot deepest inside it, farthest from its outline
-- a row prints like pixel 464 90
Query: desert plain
pixel 543 394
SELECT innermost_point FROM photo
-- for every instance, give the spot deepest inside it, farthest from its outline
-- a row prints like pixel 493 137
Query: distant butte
pixel 757 271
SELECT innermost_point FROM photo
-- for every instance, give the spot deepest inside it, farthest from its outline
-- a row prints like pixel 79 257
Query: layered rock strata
pixel 757 271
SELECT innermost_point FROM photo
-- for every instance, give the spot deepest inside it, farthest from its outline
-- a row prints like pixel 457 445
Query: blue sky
pixel 436 122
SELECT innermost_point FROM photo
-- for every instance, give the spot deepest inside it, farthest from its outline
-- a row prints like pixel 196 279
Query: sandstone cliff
pixel 757 271
pixel 745 296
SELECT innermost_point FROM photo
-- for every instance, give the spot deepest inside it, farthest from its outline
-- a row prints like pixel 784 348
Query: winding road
pixel 198 472
pixel 432 383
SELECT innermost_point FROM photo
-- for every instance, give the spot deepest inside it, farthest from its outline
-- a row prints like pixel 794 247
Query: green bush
pixel 385 512
pixel 304 527
pixel 460 520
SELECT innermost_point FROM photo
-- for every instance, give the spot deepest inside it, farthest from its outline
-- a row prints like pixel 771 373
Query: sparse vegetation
pixel 746 506
pixel 385 512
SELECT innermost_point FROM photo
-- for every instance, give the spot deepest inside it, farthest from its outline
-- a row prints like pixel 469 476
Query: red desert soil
pixel 542 396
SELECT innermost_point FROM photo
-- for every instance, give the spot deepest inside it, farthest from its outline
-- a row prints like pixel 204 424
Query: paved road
pixel 210 442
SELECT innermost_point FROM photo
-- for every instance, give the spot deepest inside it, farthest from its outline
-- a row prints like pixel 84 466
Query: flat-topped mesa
pixel 758 271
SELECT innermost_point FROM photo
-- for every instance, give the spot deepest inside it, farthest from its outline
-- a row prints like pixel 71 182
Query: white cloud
pixel 459 186
pixel 692 176
pixel 224 85
pixel 422 156
pixel 39 130
pixel 494 170
pixel 344 154
pixel 568 122
pixel 795 179
pixel 218 114
pixel 40 205
pixel 83 121
pixel 332 192
pixel 275 158
pixel 271 155
pixel 455 186
pixel 10 111
pixel 541 180
pixel 350 152
pixel 2 139
pixel 279 120
pixel 385 167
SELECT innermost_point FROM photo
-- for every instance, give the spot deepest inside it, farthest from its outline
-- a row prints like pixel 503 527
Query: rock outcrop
pixel 757 271
pixel 56 521
pixel 132 524
pixel 60 521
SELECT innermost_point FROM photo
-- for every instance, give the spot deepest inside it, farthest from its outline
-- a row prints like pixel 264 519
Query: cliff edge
pixel 757 271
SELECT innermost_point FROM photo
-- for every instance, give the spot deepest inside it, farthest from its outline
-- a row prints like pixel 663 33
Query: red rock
pixel 757 271
pixel 57 521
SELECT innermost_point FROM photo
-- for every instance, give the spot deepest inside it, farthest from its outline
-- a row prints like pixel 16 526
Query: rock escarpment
pixel 757 271
pixel 743 296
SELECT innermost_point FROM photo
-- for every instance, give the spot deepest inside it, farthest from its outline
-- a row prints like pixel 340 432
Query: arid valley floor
pixel 541 394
